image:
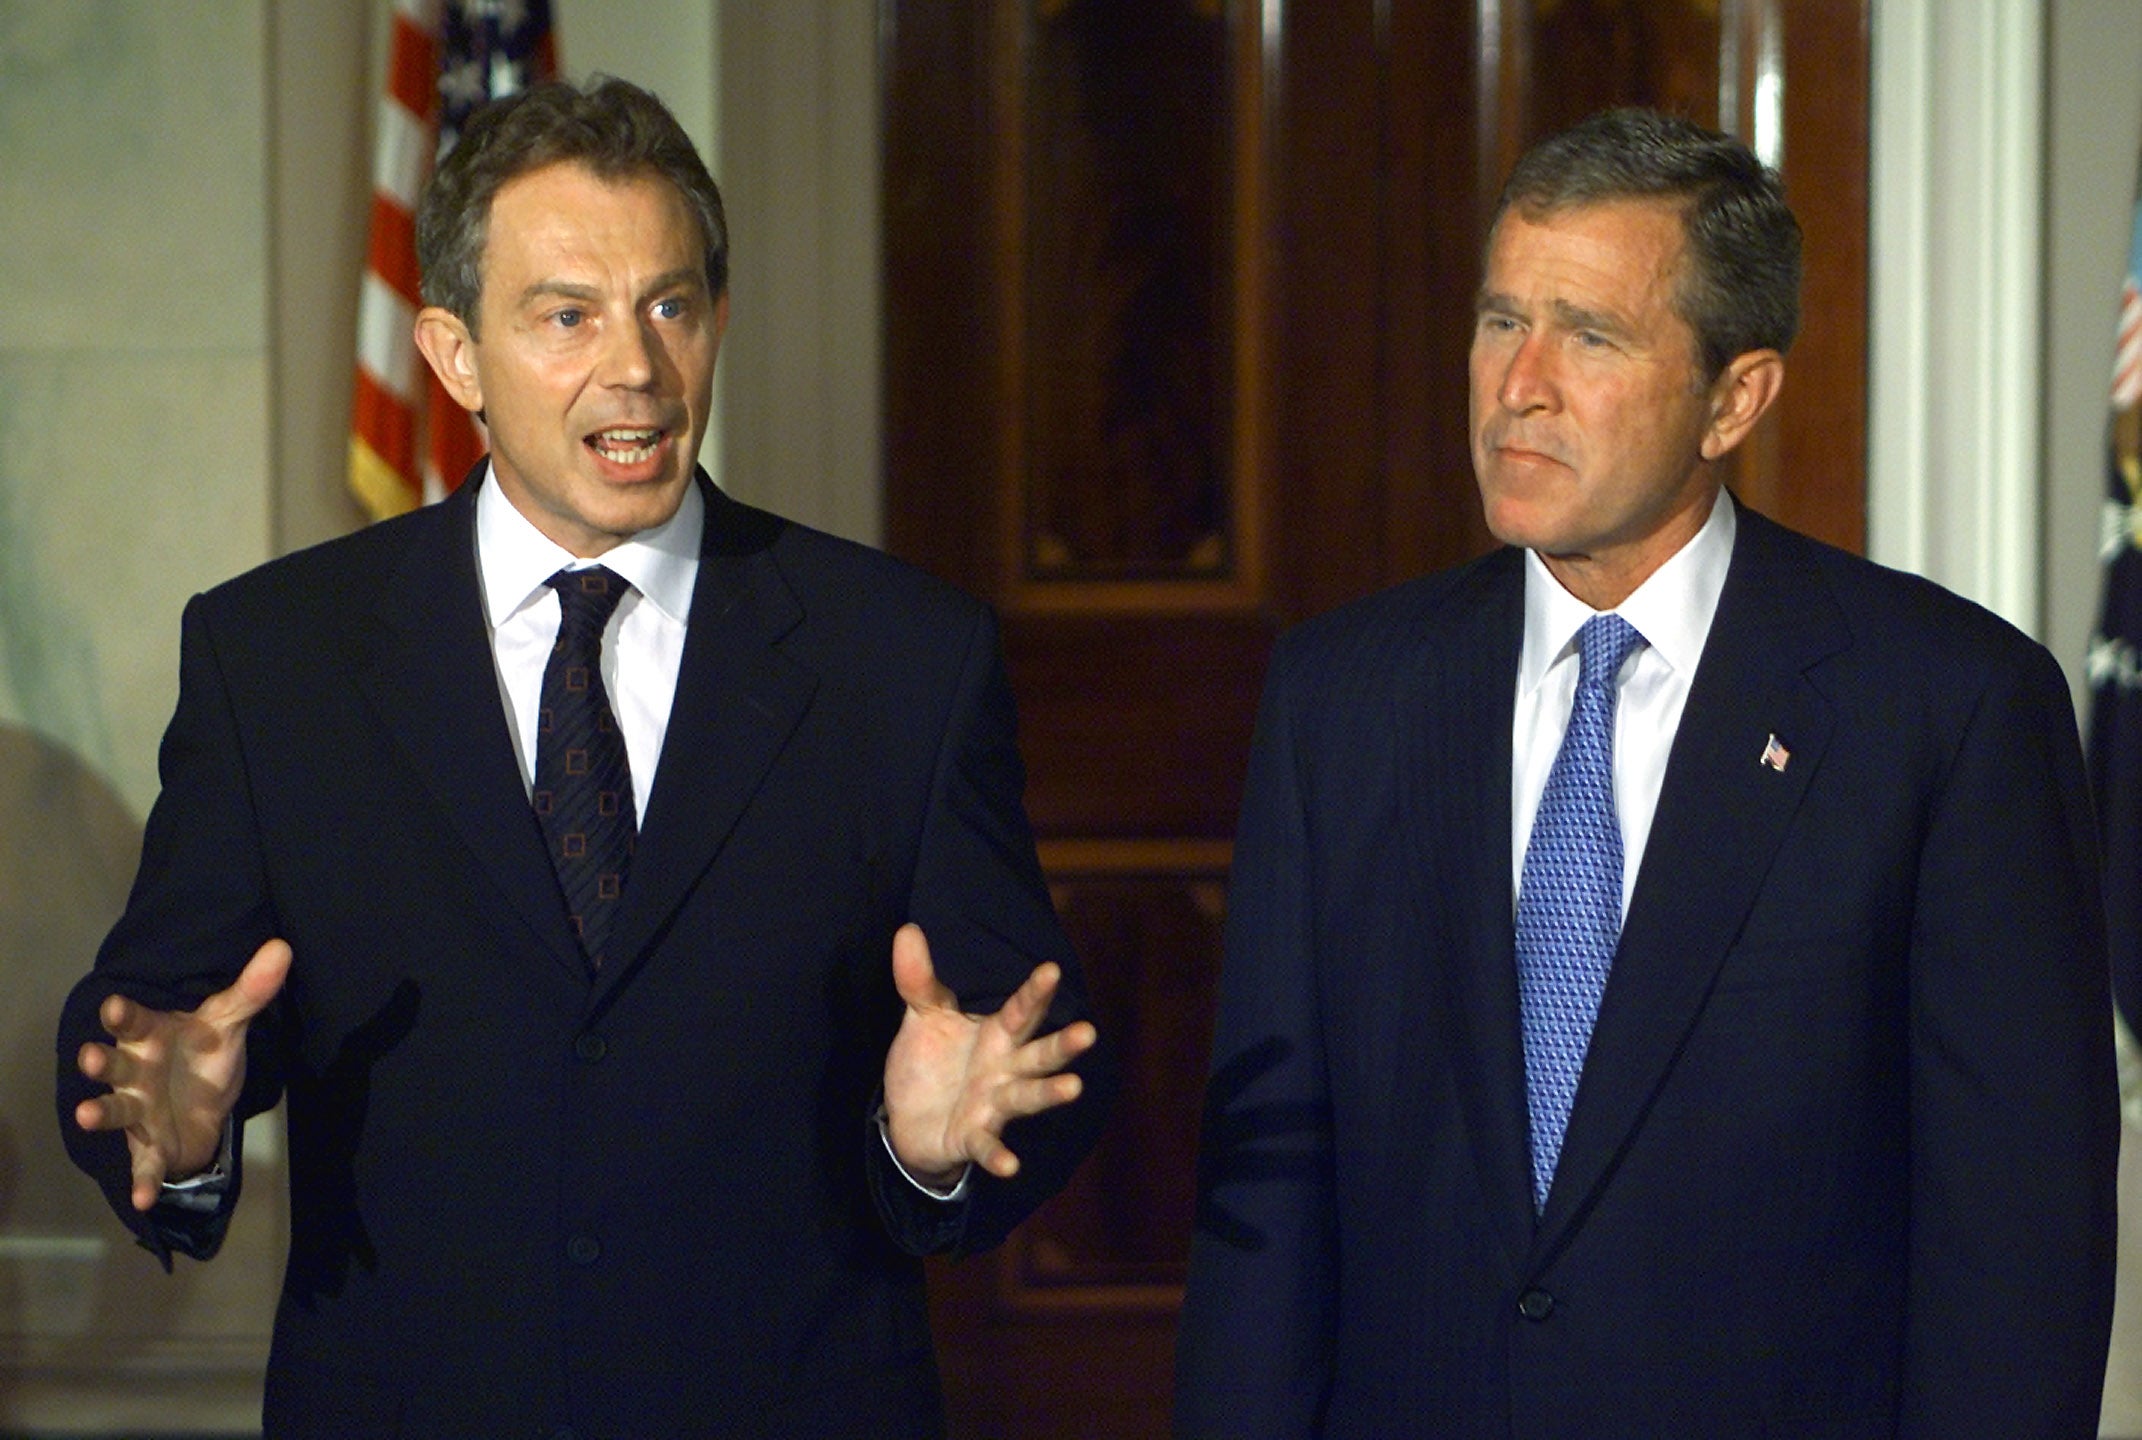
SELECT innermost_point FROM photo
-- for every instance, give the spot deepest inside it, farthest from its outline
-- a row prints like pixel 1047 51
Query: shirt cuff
pixel 203 1193
pixel 957 1193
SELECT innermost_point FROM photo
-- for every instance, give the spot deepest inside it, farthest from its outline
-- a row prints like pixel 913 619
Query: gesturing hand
pixel 953 1080
pixel 176 1075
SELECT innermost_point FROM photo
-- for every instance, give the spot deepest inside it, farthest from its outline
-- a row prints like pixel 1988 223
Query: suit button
pixel 590 1048
pixel 1535 1305
pixel 583 1249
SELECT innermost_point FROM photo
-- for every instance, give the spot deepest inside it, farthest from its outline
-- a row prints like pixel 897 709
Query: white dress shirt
pixel 642 647
pixel 1672 610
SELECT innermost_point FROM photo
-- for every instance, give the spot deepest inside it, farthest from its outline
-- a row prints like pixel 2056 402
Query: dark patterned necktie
pixel 583 781
pixel 1569 897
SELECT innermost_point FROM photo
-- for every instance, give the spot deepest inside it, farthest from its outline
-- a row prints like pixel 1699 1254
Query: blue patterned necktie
pixel 1569 897
pixel 583 782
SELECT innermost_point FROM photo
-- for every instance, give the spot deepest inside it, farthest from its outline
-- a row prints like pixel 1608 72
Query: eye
pixel 1592 340
pixel 568 318
pixel 673 308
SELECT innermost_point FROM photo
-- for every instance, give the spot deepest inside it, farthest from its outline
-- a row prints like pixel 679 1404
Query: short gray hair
pixel 1741 289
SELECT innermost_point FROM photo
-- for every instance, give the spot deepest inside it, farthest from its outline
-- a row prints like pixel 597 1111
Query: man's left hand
pixel 953 1080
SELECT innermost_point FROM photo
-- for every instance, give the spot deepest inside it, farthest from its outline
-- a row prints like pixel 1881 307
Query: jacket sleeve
pixel 2014 1110
pixel 979 896
pixel 199 907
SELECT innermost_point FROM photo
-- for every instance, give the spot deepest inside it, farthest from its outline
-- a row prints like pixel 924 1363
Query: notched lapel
pixel 738 700
pixel 426 683
pixel 1722 814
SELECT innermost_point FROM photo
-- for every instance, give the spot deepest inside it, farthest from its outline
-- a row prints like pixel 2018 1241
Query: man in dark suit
pixel 1819 1139
pixel 641 1136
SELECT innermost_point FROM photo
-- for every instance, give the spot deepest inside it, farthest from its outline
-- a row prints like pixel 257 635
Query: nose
pixel 1527 377
pixel 630 359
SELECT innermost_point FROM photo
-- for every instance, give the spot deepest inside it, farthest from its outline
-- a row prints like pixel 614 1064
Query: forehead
pixel 566 215
pixel 1619 255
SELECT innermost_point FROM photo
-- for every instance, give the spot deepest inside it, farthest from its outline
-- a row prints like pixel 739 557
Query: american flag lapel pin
pixel 1775 755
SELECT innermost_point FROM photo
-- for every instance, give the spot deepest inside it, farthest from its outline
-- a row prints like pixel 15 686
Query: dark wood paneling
pixel 1152 936
pixel 1168 763
pixel 1819 483
pixel 1128 366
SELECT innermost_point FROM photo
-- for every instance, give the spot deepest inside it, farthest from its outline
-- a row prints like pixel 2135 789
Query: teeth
pixel 626 447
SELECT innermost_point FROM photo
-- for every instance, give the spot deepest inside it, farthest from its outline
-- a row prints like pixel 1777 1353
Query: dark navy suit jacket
pixel 525 1201
pixel 1841 1160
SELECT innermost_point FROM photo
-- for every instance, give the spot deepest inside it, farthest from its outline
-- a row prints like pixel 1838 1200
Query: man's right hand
pixel 175 1076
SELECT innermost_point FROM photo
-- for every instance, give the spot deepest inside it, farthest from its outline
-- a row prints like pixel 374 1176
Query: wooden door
pixel 1179 294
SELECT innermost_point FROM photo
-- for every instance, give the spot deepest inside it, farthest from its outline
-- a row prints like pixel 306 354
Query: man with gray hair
pixel 1665 990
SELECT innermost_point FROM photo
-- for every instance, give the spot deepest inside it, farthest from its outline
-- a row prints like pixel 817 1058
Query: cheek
pixel 1481 369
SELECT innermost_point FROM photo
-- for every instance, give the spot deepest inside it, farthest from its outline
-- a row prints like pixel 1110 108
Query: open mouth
pixel 622 446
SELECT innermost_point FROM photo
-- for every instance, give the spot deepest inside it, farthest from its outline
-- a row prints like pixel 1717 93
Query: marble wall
pixel 133 355
pixel 134 471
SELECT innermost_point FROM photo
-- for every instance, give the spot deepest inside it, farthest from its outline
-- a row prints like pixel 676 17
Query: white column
pixel 1955 265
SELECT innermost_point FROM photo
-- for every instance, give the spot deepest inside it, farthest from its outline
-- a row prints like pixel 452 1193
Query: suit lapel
pixel 738 700
pixel 1458 790
pixel 1722 813
pixel 427 683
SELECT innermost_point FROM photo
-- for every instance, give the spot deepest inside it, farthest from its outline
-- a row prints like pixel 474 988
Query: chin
pixel 1510 522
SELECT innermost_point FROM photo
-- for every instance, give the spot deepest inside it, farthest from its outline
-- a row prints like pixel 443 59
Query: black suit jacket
pixel 1841 1159
pixel 650 1204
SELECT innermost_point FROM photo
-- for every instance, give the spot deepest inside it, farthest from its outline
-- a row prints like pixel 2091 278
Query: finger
pixel 982 1139
pixel 104 1112
pixel 1052 1052
pixel 149 1174
pixel 123 1020
pixel 1031 1097
pixel 253 991
pixel 95 1061
pixel 913 974
pixel 988 1150
pixel 113 1065
pixel 1000 1161
pixel 1023 1013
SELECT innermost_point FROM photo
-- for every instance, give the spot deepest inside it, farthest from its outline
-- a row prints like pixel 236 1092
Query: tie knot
pixel 1603 643
pixel 588 598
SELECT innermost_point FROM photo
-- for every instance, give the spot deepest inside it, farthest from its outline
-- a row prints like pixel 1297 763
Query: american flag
pixel 2115 662
pixel 409 442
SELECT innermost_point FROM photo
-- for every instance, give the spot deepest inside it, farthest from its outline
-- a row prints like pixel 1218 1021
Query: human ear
pixel 451 351
pixel 1739 397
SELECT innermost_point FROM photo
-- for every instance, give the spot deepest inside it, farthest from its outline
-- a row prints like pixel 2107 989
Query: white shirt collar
pixel 514 559
pixel 1672 609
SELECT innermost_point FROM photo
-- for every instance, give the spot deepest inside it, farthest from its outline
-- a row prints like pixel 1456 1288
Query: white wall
pixel 798 165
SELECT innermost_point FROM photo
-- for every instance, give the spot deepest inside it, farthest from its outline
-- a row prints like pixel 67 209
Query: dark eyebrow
pixel 1566 315
pixel 1576 317
pixel 683 275
pixel 561 289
